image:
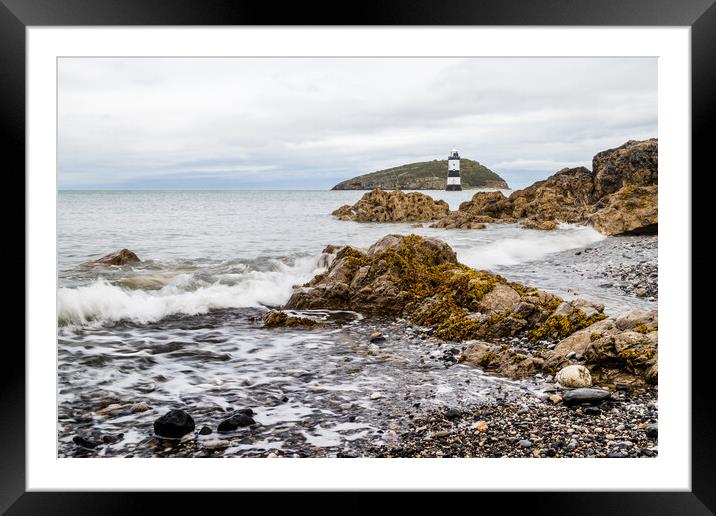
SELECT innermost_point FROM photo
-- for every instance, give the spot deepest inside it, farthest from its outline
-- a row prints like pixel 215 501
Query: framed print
pixel 426 251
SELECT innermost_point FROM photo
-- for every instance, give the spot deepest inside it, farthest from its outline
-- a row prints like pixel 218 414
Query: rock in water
pixel 121 257
pixel 238 420
pixel 420 278
pixel 396 206
pixel 585 395
pixel 279 319
pixel 574 376
pixel 174 424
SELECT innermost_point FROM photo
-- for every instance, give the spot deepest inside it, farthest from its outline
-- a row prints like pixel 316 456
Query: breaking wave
pixel 187 294
pixel 528 246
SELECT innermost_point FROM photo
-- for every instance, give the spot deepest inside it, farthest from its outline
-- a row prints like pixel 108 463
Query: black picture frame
pixel 700 15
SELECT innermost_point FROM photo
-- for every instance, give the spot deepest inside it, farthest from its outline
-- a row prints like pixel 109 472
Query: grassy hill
pixel 427 175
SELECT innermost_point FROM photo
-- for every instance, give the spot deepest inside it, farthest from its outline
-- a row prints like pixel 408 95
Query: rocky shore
pixel 619 196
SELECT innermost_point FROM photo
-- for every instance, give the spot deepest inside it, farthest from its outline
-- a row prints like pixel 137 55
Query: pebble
pixel 525 443
pixel 376 395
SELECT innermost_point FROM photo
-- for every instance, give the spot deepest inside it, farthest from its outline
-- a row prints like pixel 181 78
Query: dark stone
pixel 205 430
pixel 551 452
pixel 284 399
pixel 652 431
pixel 174 424
pixel 239 419
pixel 585 395
pixel 591 411
pixel 379 338
pixel 84 442
pixel 111 439
pixel 452 413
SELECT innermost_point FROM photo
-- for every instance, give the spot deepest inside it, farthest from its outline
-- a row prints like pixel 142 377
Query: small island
pixel 426 175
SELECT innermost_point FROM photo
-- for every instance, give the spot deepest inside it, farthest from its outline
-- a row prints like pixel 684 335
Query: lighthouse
pixel 453 176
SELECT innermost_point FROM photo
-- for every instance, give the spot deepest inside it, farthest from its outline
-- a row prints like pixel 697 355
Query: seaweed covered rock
pixel 621 350
pixel 420 278
pixel 633 210
pixel 279 319
pixel 501 359
pixel 394 206
pixel 121 257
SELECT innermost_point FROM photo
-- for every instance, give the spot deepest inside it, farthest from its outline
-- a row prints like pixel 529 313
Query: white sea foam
pixel 102 301
pixel 528 246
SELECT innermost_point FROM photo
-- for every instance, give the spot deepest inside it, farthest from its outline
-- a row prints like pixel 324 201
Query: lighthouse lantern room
pixel 453 177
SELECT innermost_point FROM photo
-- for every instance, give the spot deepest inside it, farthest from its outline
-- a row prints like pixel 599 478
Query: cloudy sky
pixel 177 123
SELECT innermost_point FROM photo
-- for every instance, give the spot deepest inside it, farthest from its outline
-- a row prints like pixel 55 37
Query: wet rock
pixel 574 376
pixel 84 442
pixel 112 438
pixel 376 336
pixel 205 430
pixel 121 257
pixel 452 413
pixel 215 444
pixel 238 420
pixel 585 395
pixel 279 319
pixel 174 424
pixel 652 431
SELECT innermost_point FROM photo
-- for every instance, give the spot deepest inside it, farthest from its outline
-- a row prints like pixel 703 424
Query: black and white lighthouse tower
pixel 453 177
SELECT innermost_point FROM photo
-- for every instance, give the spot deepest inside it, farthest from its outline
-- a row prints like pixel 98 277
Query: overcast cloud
pixel 310 123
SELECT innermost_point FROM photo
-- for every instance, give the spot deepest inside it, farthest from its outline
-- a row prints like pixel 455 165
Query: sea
pixel 180 330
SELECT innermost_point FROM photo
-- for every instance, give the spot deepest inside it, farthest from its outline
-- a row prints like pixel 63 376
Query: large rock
pixel 174 424
pixel 420 278
pixel 121 257
pixel 394 206
pixel 635 163
pixel 574 376
pixel 633 210
pixel 619 196
pixel 622 350
pixel 585 395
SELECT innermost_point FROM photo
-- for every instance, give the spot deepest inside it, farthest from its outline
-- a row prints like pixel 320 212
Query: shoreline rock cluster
pixel 619 196
pixel 394 206
pixel 515 331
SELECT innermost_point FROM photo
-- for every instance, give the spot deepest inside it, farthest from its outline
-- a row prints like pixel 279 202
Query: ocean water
pixel 179 330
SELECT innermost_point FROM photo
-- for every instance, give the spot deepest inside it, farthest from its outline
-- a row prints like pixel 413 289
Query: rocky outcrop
pixel 427 175
pixel 394 206
pixel 615 350
pixel 121 257
pixel 636 163
pixel 420 278
pixel 632 210
pixel 621 350
pixel 618 197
